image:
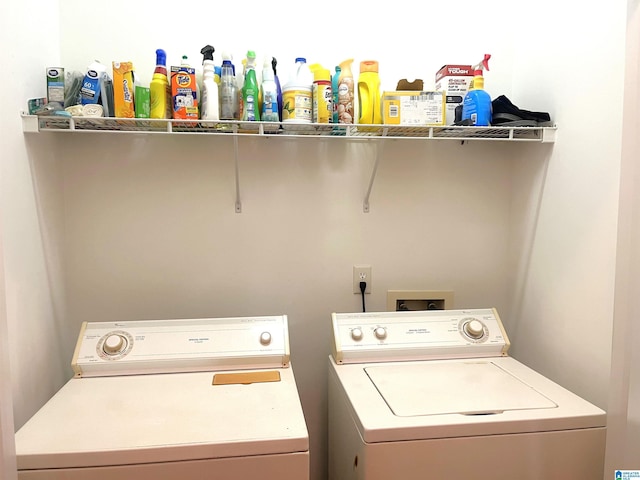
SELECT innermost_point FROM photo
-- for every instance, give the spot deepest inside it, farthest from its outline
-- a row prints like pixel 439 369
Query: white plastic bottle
pixel 269 94
pixel 297 104
pixel 209 109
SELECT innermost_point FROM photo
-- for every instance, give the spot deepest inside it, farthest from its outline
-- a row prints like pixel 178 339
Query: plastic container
pixel 321 94
pixel 346 97
pixel 269 109
pixel 476 107
pixel 228 91
pixel 334 92
pixel 250 91
pixel 369 93
pixel 209 107
pixel 274 63
pixel 297 103
pixel 160 90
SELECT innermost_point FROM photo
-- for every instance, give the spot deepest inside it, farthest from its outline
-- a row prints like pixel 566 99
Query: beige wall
pixel 126 226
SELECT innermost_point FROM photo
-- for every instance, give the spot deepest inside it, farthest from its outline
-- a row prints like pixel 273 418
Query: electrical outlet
pixel 361 273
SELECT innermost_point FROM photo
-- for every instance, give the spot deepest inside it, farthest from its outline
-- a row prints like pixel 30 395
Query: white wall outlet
pixel 361 273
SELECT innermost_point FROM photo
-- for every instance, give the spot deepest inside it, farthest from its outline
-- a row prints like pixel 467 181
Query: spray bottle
pixel 477 103
pixel 228 90
pixel 334 91
pixel 269 109
pixel 274 62
pixel 250 91
pixel 160 90
pixel 209 109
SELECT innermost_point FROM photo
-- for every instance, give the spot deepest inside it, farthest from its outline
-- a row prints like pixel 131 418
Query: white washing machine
pixel 172 399
pixel 432 395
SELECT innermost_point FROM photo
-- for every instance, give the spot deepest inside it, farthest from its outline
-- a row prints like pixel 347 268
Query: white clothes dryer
pixel 432 394
pixel 172 399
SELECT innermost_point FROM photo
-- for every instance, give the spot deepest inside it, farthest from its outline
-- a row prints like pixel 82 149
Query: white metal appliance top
pixel 181 345
pixel 417 335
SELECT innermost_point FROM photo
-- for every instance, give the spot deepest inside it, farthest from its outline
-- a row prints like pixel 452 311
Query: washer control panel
pixel 166 346
pixel 417 335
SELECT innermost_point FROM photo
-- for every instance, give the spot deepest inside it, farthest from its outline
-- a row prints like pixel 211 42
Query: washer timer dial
pixel 473 329
pixel 114 345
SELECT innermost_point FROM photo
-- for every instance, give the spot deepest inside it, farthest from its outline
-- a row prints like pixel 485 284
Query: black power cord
pixel 363 287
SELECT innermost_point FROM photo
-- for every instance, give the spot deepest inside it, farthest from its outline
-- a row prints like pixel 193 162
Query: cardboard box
pixel 413 108
pixel 454 81
pixel 184 94
pixel 123 89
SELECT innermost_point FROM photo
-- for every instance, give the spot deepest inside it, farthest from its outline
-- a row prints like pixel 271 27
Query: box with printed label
pixel 415 108
pixel 454 81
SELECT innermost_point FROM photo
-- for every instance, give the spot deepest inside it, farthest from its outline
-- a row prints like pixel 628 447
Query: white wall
pixel 144 226
pixel 623 435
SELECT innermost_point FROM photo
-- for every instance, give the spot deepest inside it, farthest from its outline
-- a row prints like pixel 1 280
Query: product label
pixel 184 93
pixel 297 105
pixel 90 91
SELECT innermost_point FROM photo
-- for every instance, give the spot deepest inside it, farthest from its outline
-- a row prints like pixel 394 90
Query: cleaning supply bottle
pixel 160 90
pixel 334 92
pixel 476 106
pixel 250 90
pixel 369 93
pixel 240 81
pixel 346 98
pixel 269 109
pixel 297 103
pixel 321 94
pixel 274 62
pixel 92 83
pixel 228 90
pixel 209 107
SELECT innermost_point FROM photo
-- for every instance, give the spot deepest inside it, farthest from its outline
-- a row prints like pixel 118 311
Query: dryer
pixel 433 394
pixel 172 399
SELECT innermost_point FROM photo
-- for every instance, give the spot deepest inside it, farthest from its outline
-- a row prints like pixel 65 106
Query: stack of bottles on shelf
pixel 244 92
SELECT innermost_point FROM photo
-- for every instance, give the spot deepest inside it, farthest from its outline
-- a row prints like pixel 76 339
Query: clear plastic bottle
pixel 269 112
pixel 228 92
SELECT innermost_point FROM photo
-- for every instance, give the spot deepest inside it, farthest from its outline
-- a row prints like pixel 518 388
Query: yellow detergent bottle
pixel 369 93
pixel 160 90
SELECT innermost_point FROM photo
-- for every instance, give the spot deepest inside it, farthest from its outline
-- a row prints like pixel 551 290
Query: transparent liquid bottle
pixel 228 92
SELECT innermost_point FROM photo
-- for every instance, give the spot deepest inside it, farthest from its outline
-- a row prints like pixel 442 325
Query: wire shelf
pixel 33 123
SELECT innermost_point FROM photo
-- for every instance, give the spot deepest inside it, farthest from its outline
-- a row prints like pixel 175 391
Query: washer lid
pixel 465 388
pixel 139 419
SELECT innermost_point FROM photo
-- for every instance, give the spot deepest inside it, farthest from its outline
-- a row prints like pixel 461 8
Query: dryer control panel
pixel 182 345
pixel 417 335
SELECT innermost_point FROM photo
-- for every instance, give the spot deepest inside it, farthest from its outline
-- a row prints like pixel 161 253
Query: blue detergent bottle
pixel 476 106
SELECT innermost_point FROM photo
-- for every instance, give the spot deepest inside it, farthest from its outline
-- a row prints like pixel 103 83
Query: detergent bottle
pixel 160 90
pixel 346 97
pixel 269 109
pixel 250 90
pixel 476 106
pixel 321 94
pixel 209 109
pixel 297 103
pixel 369 93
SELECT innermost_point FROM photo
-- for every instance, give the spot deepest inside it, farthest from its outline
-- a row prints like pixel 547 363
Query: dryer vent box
pixel 414 300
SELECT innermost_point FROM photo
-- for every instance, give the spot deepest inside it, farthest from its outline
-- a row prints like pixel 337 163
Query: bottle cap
pixel 161 57
pixel 369 66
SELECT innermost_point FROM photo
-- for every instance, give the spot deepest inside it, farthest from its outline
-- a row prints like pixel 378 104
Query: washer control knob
pixel 265 338
pixel 356 333
pixel 380 333
pixel 114 344
pixel 474 328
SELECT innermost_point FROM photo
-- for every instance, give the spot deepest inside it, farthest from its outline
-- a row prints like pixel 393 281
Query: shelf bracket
pixel 235 158
pixel 379 149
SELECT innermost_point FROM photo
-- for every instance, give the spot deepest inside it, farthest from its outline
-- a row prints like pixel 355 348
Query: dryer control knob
pixel 114 344
pixel 380 333
pixel 356 333
pixel 265 338
pixel 474 328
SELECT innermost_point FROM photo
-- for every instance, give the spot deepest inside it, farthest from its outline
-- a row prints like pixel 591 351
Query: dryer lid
pixel 466 388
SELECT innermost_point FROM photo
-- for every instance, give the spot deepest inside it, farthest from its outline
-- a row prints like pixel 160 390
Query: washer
pixel 433 394
pixel 169 399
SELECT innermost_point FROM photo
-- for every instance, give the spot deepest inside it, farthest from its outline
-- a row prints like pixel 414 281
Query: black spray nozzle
pixel 274 62
pixel 207 52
